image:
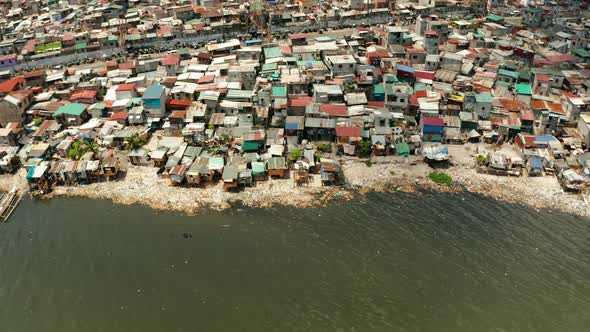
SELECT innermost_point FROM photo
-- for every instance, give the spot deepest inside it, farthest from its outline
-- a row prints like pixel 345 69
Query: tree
pixel 294 155
pixel 76 151
pixel 135 142
pixel 365 148
pixel 324 147
pixel 90 146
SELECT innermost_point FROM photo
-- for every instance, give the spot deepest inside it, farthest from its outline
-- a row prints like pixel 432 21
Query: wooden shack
pixel 110 167
pixel 177 174
pixel 277 166
pixel 230 177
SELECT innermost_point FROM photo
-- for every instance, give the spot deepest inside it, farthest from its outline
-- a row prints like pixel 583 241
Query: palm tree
pixel 91 146
pixel 135 142
pixel 76 151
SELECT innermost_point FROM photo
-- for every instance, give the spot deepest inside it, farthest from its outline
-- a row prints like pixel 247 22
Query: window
pixel 340 66
pixel 402 100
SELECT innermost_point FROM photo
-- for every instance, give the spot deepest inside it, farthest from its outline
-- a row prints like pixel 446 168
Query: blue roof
pixel 405 68
pixel 537 163
pixel 545 138
pixel 153 92
pixel 291 126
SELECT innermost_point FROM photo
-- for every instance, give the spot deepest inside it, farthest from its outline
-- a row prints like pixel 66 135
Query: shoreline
pixel 141 185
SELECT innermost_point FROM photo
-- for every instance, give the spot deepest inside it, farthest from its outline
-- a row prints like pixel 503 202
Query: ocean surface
pixel 396 262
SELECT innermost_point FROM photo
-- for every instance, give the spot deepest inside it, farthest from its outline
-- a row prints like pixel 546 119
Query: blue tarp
pixel 292 126
pixel 545 138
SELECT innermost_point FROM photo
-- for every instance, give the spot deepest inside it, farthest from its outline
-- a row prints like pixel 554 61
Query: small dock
pixel 8 203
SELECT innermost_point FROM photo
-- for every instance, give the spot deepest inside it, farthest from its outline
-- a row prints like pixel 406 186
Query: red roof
pixel 297 36
pixel 126 87
pixel 348 131
pixel 377 104
pixel 68 37
pixel 555 107
pixel 430 33
pixel 415 51
pixel 8 57
pixel 428 75
pixel 440 122
pixel 334 109
pixel 178 114
pixel 538 104
pixel 127 65
pixel 119 116
pixel 183 9
pixel 563 58
pixel 206 79
pixel 421 94
pixel 181 103
pixel 21 95
pixel 286 49
pixel 378 54
pixel 511 105
pixel 527 115
pixel 529 140
pixel 29 45
pixel 36 73
pixel 543 77
pixel 83 94
pixel 171 60
pixel 11 84
pixel 300 101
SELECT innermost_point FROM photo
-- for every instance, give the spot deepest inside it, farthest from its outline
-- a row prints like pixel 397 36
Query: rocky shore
pixel 142 185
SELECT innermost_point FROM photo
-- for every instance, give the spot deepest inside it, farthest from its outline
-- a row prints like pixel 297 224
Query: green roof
pixel 250 146
pixel 494 18
pixel 182 51
pixel 98 106
pixel 523 89
pixel 256 5
pixel 81 46
pixel 508 73
pixel 484 97
pixel 286 16
pixel 323 38
pixel 524 74
pixel 134 37
pixel 378 88
pixel 194 21
pixel 270 67
pixel 402 149
pixel 582 53
pixel 70 109
pixel 258 168
pixel 112 38
pixel 279 91
pixel 421 87
pixel 534 10
pixel 272 52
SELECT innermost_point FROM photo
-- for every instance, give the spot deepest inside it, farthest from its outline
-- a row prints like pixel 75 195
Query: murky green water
pixel 435 262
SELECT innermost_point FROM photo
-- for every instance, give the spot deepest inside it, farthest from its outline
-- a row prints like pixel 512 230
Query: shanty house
pixel 14 105
pixel 154 100
pixel 72 114
pixel 432 129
